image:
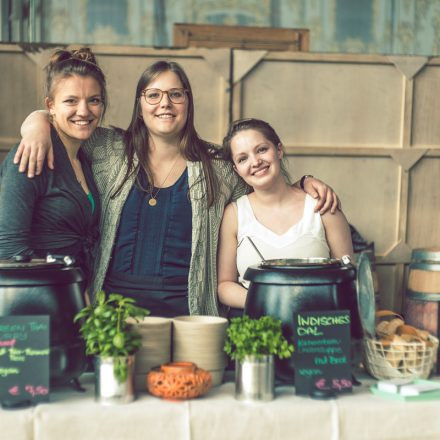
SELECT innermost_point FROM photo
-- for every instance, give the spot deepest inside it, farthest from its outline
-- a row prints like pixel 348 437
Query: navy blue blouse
pixel 154 241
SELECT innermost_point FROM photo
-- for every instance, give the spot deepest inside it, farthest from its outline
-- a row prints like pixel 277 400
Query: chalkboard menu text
pixel 322 351
pixel 24 359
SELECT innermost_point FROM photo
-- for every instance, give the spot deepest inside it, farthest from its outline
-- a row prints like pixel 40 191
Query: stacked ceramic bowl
pixel 200 339
pixel 155 349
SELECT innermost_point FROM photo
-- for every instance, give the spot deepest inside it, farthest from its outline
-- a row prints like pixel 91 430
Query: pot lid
pixel 291 263
pixel 365 295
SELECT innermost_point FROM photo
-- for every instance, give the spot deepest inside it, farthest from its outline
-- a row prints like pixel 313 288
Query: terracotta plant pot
pixel 178 381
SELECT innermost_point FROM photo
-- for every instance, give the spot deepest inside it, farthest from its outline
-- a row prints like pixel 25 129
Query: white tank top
pixel 304 239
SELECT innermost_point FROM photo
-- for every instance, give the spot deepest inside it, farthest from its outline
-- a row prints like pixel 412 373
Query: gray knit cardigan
pixel 109 166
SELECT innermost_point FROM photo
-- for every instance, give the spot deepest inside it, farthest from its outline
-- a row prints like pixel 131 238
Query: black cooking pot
pixel 280 288
pixel 38 287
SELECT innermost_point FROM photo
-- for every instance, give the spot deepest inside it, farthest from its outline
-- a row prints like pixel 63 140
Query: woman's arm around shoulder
pixel 337 231
pixel 327 198
pixel 104 142
pixel 230 292
pixel 228 177
pixel 36 144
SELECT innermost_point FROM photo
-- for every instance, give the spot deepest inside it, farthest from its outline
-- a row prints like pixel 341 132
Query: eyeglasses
pixel 154 96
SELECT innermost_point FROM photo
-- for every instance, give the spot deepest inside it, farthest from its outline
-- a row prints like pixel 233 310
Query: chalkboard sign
pixel 24 359
pixel 322 354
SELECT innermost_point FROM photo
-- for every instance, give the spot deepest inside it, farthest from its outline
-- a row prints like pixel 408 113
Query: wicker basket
pixel 400 360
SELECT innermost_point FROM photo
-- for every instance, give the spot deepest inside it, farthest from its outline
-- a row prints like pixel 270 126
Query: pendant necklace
pixel 153 197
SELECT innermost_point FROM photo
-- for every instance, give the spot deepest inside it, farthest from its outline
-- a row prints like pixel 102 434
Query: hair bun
pixel 82 54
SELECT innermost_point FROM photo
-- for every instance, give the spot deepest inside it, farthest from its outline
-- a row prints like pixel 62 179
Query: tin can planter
pixel 109 389
pixel 255 378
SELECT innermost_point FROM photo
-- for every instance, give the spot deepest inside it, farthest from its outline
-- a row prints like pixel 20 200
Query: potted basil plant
pixel 253 343
pixel 113 341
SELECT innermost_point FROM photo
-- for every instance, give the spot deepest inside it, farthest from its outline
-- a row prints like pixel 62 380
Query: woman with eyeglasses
pixel 163 192
pixel 57 212
pixel 276 220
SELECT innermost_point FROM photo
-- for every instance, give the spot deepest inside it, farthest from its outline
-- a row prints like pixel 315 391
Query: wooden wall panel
pixel 327 104
pixel 426 115
pixel 20 92
pixel 370 204
pixel 424 203
pixel 244 37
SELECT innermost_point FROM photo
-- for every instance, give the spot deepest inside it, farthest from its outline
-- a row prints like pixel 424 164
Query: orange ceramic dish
pixel 178 381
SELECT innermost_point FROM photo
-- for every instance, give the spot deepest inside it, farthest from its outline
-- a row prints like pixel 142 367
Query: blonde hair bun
pixel 81 54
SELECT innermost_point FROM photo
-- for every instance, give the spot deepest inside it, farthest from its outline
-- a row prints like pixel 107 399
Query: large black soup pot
pixel 280 288
pixel 39 287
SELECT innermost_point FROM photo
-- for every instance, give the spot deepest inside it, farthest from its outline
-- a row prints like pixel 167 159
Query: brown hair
pixel 65 63
pixel 253 124
pixel 192 147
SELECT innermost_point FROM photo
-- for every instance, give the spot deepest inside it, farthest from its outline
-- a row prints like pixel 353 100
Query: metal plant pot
pixel 254 378
pixel 108 389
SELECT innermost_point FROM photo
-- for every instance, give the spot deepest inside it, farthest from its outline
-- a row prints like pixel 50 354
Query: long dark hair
pixel 192 147
pixel 253 124
pixel 82 62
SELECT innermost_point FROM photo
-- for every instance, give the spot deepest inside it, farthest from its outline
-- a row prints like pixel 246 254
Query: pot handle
pixel 346 260
pixel 67 260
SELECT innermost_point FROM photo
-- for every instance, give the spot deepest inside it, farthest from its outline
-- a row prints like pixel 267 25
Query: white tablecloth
pixel 76 416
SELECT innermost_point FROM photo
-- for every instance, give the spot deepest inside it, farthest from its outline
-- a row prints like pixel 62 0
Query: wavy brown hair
pixel 192 147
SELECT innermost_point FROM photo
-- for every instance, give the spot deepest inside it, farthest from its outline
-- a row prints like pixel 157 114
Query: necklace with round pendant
pixel 152 201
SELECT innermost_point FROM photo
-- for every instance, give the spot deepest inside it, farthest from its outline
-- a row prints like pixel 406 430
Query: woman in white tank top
pixel 277 220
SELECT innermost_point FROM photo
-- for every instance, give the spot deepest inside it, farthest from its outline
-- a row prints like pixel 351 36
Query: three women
pixel 163 193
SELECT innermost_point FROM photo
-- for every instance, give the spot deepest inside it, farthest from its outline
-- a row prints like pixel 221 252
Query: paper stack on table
pixel 407 390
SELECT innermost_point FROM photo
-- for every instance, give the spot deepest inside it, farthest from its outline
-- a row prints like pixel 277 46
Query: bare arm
pixel 35 145
pixel 230 292
pixel 338 234
pixel 327 198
